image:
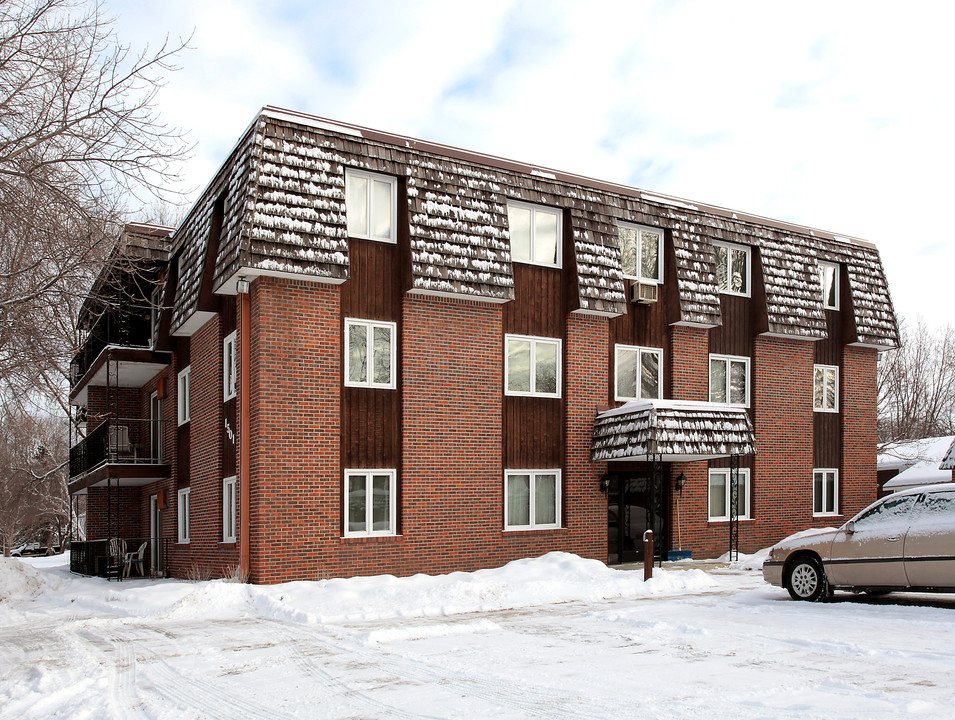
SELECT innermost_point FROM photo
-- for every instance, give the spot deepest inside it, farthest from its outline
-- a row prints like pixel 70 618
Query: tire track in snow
pixel 312 669
pixel 117 657
pixel 492 690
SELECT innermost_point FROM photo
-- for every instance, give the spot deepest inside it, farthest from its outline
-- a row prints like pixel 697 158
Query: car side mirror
pixel 850 527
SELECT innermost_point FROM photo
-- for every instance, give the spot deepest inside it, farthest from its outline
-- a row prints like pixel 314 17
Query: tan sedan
pixel 902 542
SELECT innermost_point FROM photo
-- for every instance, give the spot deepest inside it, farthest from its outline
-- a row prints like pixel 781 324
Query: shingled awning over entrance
pixel 674 430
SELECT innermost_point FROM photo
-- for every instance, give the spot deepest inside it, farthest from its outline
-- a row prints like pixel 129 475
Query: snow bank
pixel 19 581
pixel 553 578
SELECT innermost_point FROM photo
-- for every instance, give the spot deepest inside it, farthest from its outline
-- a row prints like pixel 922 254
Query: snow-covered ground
pixel 554 637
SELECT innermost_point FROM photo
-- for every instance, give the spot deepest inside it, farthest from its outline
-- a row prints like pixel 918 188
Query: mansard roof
pixel 676 430
pixel 281 197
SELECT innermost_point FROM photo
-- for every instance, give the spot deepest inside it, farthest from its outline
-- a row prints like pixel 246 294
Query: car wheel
pixel 806 580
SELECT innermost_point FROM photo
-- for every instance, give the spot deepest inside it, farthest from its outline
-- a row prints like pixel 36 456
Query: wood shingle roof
pixel 282 200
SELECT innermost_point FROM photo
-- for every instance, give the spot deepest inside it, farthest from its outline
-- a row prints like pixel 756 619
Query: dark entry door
pixel 636 502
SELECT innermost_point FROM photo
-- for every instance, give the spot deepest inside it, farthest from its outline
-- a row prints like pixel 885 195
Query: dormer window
pixel 732 268
pixel 829 279
pixel 535 232
pixel 641 252
pixel 371 205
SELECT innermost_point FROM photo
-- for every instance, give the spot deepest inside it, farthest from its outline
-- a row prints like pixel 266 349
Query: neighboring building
pixel 373 354
pixel 911 463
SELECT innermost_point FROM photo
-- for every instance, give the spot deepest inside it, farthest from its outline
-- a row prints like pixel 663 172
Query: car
pixel 903 542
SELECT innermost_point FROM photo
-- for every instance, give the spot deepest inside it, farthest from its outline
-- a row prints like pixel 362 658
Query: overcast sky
pixel 836 115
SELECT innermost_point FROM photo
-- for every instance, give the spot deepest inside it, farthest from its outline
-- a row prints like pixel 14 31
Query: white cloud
pixel 833 115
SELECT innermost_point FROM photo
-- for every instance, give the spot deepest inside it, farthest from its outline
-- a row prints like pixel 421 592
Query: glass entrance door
pixel 636 502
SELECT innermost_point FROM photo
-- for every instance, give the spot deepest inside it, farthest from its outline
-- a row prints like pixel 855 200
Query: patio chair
pixel 115 557
pixel 135 558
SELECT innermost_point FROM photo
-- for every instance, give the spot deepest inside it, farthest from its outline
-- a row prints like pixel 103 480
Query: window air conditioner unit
pixel 644 292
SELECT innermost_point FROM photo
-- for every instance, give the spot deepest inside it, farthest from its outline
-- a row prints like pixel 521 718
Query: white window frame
pixel 183 391
pixel 620 349
pixel 182 515
pixel 534 341
pixel 825 496
pixel 155 308
pixel 392 503
pixel 534 474
pixel 727 359
pixel 369 207
pixel 535 209
pixel 730 247
pixel 747 492
pixel 834 268
pixel 229 515
pixel 640 229
pixel 815 373
pixel 370 326
pixel 229 366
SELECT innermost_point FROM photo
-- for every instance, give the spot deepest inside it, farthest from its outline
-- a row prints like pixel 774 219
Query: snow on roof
pixel 948 462
pixel 280 197
pixel 907 453
pixel 690 430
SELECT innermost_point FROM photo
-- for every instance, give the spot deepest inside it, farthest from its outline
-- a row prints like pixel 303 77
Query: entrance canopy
pixel 673 430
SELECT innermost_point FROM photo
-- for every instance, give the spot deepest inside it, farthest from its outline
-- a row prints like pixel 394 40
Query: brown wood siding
pixel 371 417
pixel 643 326
pixel 533 428
pixel 827 427
pixel 735 336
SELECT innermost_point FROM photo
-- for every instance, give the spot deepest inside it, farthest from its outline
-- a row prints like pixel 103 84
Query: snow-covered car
pixel 905 541
pixel 30 548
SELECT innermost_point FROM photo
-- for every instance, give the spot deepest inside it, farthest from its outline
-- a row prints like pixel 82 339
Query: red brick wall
pixel 689 350
pixel 295 474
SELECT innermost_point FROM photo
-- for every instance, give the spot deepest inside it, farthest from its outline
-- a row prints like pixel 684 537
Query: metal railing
pixel 131 328
pixel 118 558
pixel 123 440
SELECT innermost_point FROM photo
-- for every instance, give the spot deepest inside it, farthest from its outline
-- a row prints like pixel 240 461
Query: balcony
pixel 126 450
pixel 117 353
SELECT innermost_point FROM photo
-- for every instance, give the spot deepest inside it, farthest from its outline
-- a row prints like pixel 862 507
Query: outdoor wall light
pixel 604 484
pixel 242 286
pixel 680 482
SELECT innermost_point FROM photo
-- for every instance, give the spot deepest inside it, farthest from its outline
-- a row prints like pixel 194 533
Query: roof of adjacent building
pixel 673 429
pixel 948 461
pixel 281 200
pixel 906 453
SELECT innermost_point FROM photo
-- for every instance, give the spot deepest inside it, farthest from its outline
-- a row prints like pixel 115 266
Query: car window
pixel 937 506
pixel 894 511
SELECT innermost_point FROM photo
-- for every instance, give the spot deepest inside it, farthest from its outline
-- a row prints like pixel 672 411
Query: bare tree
pixel 79 137
pixel 33 497
pixel 917 385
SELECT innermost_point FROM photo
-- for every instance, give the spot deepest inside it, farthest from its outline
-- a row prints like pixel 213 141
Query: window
pixel 535 233
pixel 531 499
pixel 228 367
pixel 639 373
pixel 182 498
pixel 370 502
pixel 370 353
pixel 729 380
pixel 371 205
pixel 532 366
pixel 825 388
pixel 183 396
pixel 641 252
pixel 228 509
pixel 829 279
pixel 892 513
pixel 720 487
pixel 825 492
pixel 732 268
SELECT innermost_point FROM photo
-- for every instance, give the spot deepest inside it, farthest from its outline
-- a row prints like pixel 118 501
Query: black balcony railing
pixel 124 440
pixel 119 558
pixel 131 328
